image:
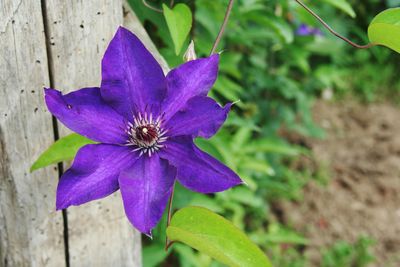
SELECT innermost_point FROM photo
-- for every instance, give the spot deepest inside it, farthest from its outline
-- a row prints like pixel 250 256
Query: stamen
pixel 146 133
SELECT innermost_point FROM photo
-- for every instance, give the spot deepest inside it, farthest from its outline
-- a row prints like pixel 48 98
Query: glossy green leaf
pixel 385 29
pixel 179 21
pixel 63 149
pixel 215 236
pixel 342 5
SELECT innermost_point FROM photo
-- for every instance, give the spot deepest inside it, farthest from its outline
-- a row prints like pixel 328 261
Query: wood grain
pixel 99 232
pixel 79 32
pixel 31 232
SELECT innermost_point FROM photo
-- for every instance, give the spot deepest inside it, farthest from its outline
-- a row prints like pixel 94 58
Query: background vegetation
pixel 276 74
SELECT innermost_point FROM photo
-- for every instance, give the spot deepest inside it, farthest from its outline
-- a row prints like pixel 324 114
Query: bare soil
pixel 362 150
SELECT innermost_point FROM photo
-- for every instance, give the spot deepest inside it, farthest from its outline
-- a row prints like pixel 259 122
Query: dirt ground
pixel 362 150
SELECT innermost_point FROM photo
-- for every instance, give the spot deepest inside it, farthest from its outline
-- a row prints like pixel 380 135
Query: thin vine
pixel 329 28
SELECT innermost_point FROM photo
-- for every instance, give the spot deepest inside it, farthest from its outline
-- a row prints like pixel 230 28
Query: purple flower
pixel 145 124
pixel 305 30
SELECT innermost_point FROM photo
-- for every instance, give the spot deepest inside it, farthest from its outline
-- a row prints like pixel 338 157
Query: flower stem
pixel 331 30
pixel 223 26
pixel 151 7
pixel 171 198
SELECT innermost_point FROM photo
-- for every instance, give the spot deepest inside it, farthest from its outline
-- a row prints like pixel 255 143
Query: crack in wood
pixel 54 122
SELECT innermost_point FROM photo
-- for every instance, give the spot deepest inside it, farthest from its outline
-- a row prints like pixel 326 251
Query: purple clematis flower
pixel 306 30
pixel 145 124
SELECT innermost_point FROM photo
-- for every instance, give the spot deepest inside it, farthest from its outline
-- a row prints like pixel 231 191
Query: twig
pixel 151 7
pixel 171 198
pixel 168 245
pixel 171 4
pixel 331 30
pixel 223 26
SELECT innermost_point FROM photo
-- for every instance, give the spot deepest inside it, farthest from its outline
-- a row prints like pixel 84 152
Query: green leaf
pixel 245 196
pixel 385 29
pixel 154 255
pixel 272 146
pixel 206 201
pixel 258 165
pixel 188 257
pixel 278 234
pixel 342 5
pixel 179 21
pixel 276 24
pixel 63 149
pixel 215 236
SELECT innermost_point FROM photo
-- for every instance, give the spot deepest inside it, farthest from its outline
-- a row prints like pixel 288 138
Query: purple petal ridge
pixel 196 170
pixel 201 116
pixel 194 78
pixel 93 174
pixel 145 190
pixel 84 111
pixel 132 80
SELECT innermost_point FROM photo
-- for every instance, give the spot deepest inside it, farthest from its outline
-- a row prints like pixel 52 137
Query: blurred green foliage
pixel 348 255
pixel 276 75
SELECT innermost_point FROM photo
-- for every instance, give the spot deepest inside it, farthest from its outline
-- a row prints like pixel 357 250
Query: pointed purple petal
pixel 197 170
pixel 94 174
pixel 85 112
pixel 132 80
pixel 201 116
pixel 191 79
pixel 145 190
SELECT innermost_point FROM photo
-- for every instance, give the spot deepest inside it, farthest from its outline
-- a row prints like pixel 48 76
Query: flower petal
pixel 94 174
pixel 145 190
pixel 84 111
pixel 191 79
pixel 201 116
pixel 132 80
pixel 197 170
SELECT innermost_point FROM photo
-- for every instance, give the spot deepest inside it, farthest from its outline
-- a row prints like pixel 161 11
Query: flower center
pixel 146 134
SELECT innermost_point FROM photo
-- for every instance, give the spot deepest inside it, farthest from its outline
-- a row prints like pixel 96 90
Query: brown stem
pixel 168 245
pixel 223 26
pixel 171 198
pixel 171 4
pixel 331 30
pixel 151 7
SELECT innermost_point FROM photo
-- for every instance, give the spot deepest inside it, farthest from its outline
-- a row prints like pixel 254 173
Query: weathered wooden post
pixel 31 232
pixel 59 44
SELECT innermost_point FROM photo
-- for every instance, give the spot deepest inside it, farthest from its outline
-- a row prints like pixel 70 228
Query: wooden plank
pixel 31 232
pixel 79 32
